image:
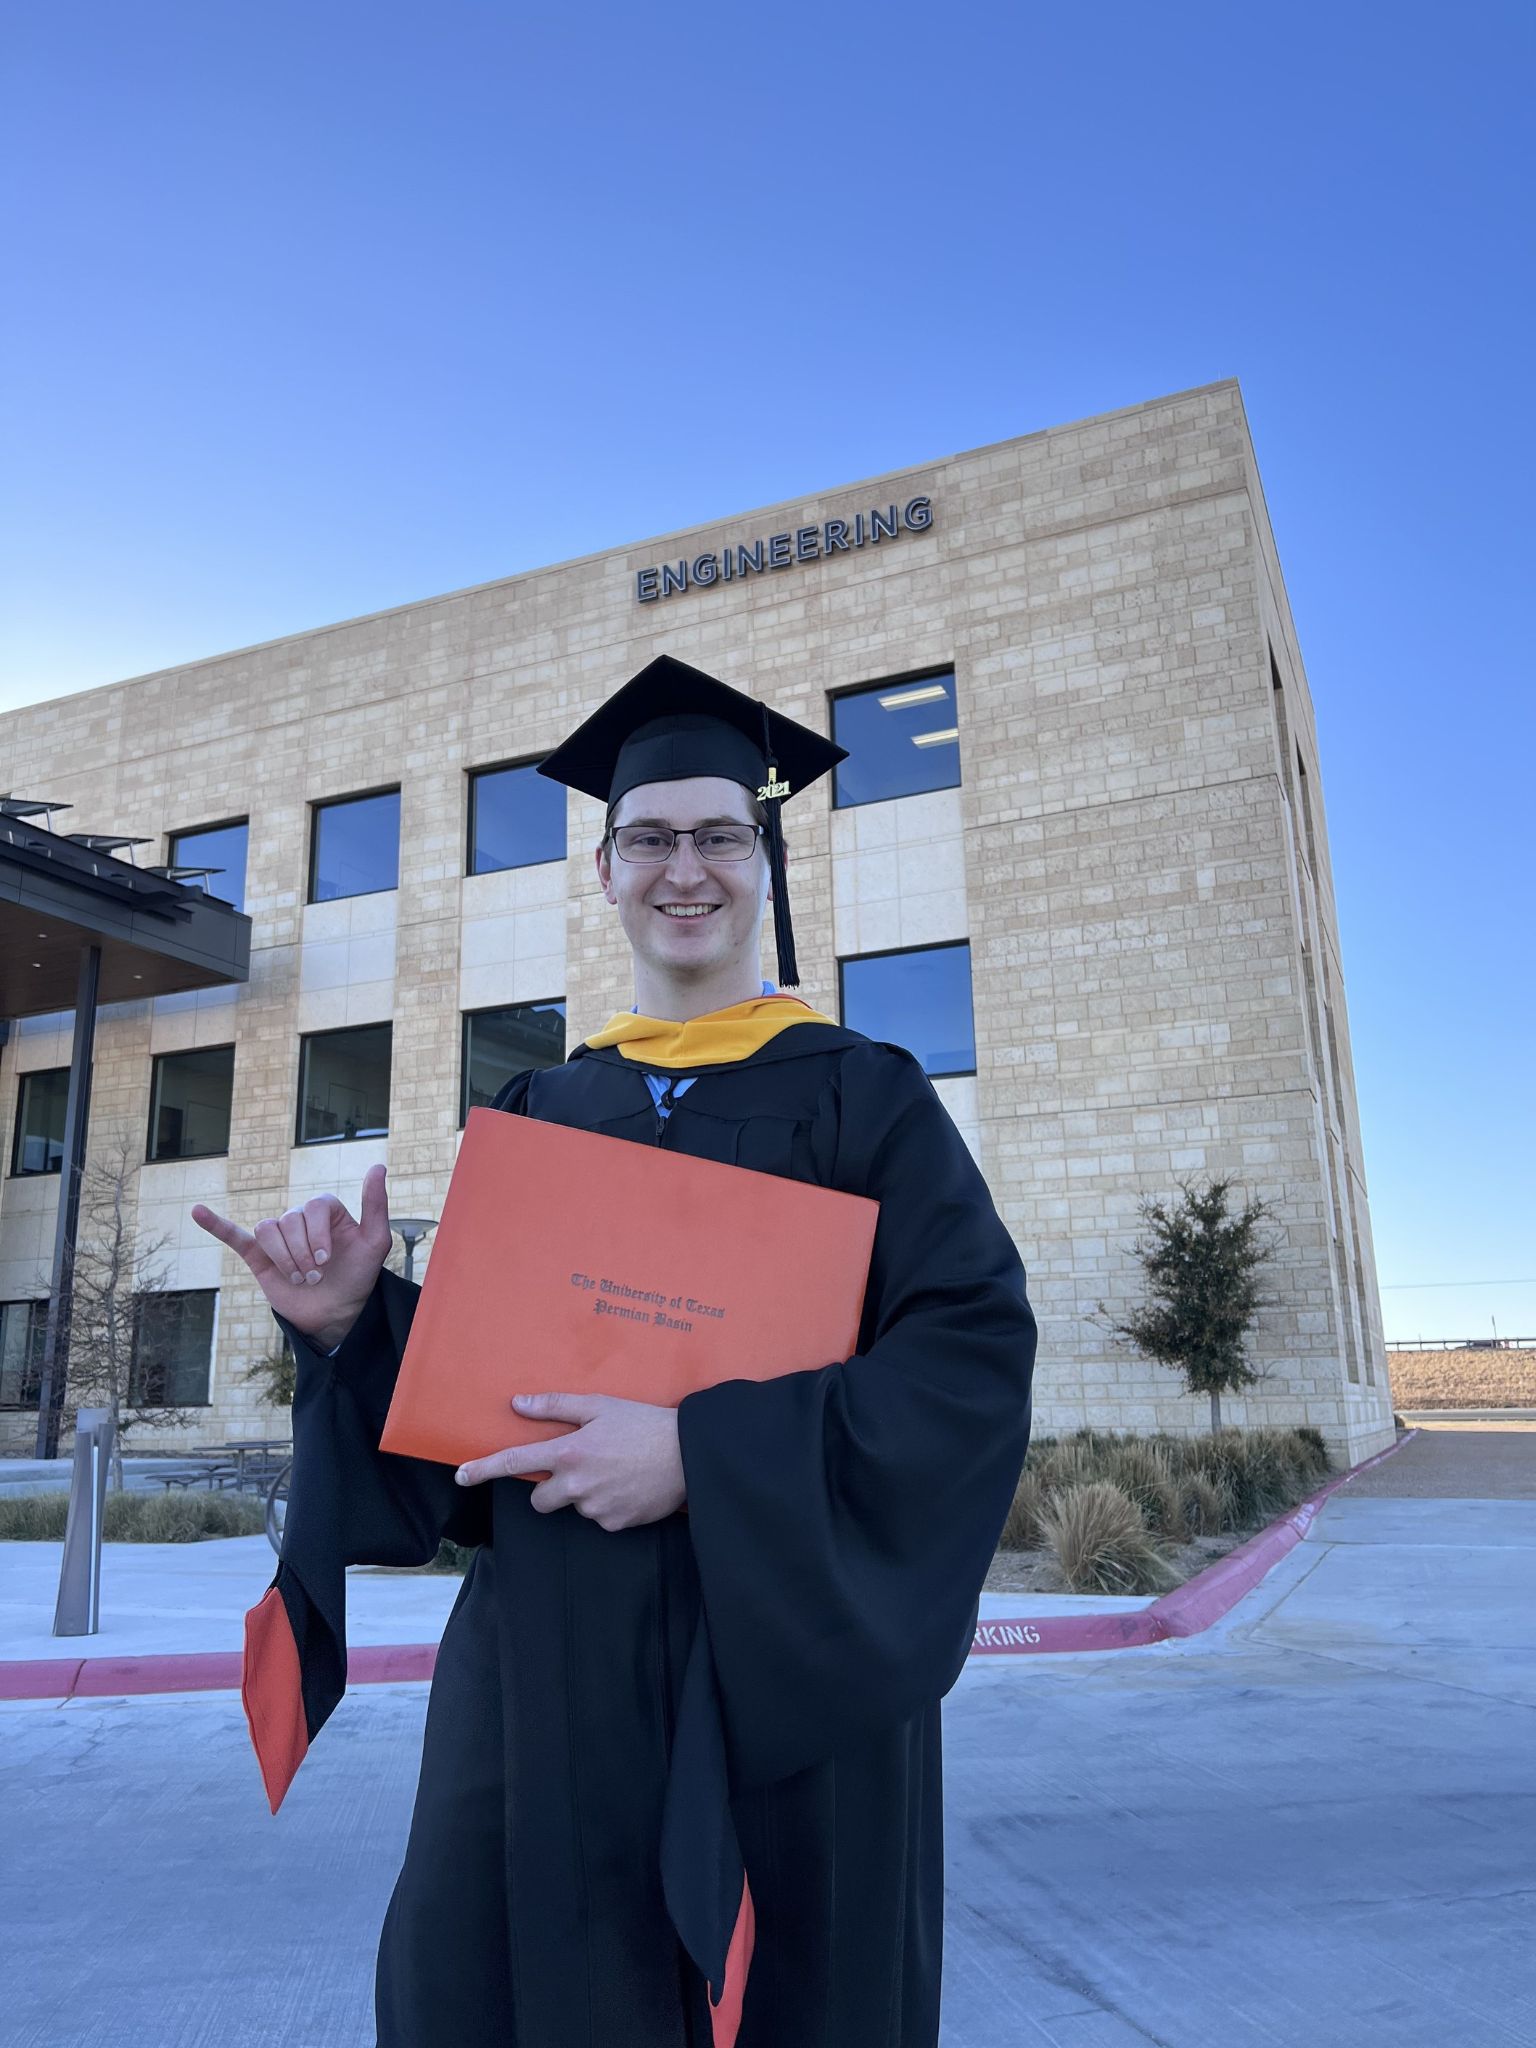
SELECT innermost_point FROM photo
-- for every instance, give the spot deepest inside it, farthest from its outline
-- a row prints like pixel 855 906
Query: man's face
pixel 684 915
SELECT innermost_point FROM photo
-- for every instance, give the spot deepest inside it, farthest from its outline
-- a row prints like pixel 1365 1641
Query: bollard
pixel 78 1612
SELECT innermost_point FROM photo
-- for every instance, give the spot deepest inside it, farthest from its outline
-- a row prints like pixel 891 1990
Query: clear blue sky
pixel 315 309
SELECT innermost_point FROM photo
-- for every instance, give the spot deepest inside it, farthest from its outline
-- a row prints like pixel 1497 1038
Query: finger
pixel 318 1211
pixel 223 1228
pixel 561 1407
pixel 373 1210
pixel 512 1463
pixel 239 1240
pixel 296 1236
pixel 552 1494
pixel 275 1245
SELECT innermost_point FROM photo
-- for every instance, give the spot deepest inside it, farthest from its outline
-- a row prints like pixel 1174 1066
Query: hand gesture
pixel 621 1467
pixel 315 1264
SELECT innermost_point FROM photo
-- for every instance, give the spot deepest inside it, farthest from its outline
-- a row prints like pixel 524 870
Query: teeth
pixel 688 909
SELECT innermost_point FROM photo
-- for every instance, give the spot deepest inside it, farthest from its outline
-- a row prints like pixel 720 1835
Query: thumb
pixel 374 1219
pixel 559 1407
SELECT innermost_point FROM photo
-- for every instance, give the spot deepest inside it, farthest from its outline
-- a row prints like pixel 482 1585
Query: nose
pixel 685 868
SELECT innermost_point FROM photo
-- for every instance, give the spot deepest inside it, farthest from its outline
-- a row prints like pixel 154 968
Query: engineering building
pixel 1077 861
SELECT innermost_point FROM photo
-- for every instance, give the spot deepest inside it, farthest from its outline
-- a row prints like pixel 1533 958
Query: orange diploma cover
pixel 566 1262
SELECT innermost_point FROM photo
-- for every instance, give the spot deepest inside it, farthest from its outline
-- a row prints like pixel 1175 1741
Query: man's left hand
pixel 622 1467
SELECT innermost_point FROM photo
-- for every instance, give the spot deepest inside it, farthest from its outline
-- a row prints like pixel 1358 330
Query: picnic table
pixel 244 1462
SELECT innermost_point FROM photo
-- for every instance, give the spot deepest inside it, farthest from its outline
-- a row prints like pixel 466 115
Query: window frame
pixel 931 673
pixel 891 953
pixel 306 1039
pixel 222 825
pixel 23 1077
pixel 152 1158
pixel 491 1010
pixel 37 1332
pixel 334 803
pixel 472 776
pixel 161 1294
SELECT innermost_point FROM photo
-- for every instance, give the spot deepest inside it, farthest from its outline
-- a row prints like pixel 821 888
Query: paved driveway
pixel 1312 1825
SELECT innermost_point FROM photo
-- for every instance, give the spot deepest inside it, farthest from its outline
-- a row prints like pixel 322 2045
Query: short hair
pixel 755 805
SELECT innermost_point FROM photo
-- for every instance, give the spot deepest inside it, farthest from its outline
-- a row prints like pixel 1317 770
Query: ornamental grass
pixel 1176 1488
pixel 192 1516
pixel 1103 1544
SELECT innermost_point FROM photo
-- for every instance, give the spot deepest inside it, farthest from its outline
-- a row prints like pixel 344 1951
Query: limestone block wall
pixel 1135 854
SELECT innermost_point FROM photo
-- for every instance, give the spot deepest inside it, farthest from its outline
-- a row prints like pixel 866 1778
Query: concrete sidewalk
pixel 175 1599
pixel 171 1599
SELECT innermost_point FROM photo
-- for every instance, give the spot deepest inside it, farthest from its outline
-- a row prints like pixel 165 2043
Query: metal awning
pixel 158 935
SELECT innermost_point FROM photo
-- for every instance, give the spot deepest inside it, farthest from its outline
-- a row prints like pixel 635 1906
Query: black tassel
pixel 784 937
pixel 783 931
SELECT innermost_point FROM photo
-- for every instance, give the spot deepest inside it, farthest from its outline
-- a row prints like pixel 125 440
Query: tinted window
pixel 504 1042
pixel 901 739
pixel 356 847
pixel 921 1000
pixel 344 1085
pixel 189 1103
pixel 516 819
pixel 172 1349
pixel 22 1324
pixel 39 1141
pixel 220 846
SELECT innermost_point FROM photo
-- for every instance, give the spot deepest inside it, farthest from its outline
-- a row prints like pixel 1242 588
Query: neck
pixel 679 999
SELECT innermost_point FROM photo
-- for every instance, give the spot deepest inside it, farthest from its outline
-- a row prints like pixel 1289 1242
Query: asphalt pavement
pixel 1310 1825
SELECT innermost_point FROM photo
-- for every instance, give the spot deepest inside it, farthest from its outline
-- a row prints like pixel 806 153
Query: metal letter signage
pixel 738 560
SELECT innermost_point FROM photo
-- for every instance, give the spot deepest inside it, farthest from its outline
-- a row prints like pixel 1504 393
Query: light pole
pixel 411 1230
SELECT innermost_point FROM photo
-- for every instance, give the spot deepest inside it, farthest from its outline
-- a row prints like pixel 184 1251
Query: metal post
pixel 77 1106
pixel 78 1612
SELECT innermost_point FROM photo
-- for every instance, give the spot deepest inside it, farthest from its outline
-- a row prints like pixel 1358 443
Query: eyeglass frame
pixel 687 832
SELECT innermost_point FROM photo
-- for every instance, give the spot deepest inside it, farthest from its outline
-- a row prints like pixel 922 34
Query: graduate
pixel 680 1782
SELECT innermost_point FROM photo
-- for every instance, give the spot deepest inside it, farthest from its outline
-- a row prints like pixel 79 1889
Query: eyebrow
pixel 667 822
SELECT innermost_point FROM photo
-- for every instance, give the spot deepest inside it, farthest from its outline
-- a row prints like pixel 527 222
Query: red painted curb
pixel 65 1678
pixel 1184 1612
pixel 1189 1608
pixel 50 1678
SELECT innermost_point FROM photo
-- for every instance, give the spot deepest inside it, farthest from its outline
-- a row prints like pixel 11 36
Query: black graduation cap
pixel 672 721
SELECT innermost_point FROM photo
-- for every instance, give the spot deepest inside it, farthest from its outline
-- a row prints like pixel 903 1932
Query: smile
pixel 687 909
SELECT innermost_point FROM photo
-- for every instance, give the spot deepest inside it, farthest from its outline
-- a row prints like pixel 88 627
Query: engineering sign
pixel 784 550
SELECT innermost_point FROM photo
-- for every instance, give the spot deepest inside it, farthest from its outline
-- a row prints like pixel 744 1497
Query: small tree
pixel 1201 1267
pixel 118 1271
pixel 276 1374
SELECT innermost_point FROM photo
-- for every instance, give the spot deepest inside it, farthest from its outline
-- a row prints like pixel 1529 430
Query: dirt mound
pixel 1463 1379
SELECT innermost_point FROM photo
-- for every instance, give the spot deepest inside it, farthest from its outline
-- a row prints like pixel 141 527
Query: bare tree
pixel 1202 1290
pixel 119 1272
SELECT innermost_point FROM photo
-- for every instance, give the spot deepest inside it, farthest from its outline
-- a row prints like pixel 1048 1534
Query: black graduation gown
pixel 620 1720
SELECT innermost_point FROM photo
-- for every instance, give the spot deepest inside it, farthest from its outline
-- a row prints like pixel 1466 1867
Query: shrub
pixel 1312 1437
pixel 190 1516
pixel 1101 1542
pixel 1022 1529
pixel 1145 1473
pixel 452 1557
pixel 35 1518
pixel 1183 1486
pixel 1205 1506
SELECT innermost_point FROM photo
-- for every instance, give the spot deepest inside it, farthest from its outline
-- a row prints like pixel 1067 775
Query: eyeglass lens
pixel 655 842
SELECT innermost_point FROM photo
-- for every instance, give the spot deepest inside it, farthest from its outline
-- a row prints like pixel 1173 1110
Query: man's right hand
pixel 316 1265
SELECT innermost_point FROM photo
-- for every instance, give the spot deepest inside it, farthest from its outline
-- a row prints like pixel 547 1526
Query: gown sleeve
pixel 348 1503
pixel 843 1519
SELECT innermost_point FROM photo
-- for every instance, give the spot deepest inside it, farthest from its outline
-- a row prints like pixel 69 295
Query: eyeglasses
pixel 650 844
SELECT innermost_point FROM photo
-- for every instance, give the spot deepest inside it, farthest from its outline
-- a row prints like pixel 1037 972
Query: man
pixel 680 1781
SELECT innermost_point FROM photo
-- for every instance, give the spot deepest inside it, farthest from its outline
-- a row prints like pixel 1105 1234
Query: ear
pixel 604 868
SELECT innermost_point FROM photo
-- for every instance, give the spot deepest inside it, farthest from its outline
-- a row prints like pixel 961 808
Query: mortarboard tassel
pixel 772 796
pixel 784 937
